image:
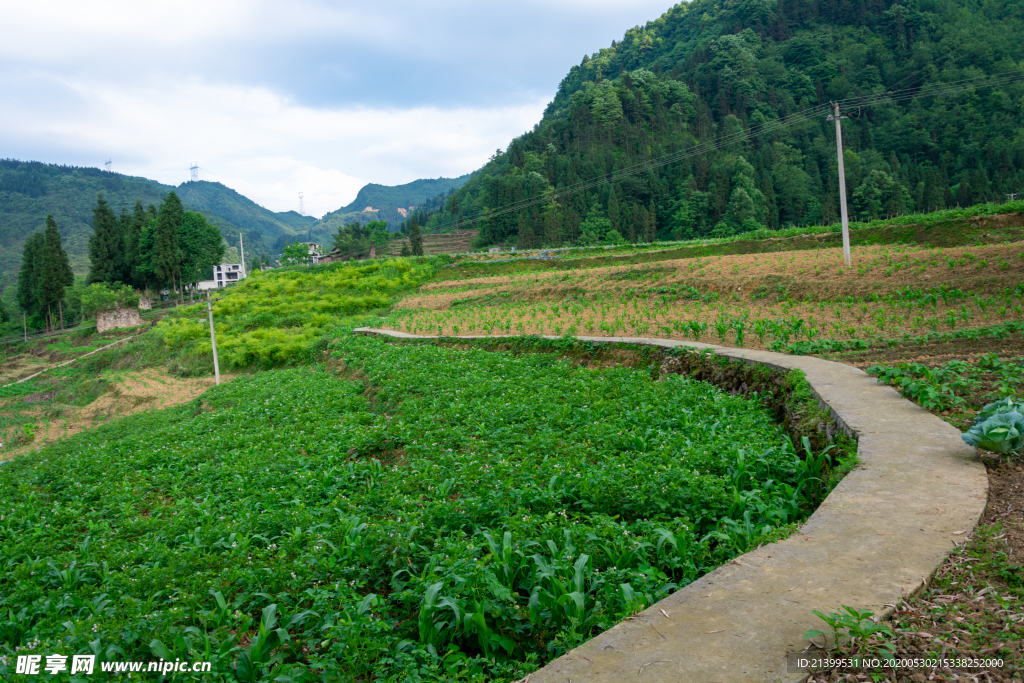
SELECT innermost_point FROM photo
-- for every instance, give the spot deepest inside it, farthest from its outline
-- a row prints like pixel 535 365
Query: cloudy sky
pixel 277 98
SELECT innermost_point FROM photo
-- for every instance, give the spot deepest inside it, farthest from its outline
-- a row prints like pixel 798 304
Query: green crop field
pixel 348 508
pixel 413 512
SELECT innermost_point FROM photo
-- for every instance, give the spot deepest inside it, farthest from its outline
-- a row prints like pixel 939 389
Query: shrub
pixel 101 296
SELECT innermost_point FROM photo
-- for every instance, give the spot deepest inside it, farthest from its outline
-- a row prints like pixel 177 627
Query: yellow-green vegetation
pixel 273 318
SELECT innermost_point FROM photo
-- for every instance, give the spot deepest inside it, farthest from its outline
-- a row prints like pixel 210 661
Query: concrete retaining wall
pixel 879 535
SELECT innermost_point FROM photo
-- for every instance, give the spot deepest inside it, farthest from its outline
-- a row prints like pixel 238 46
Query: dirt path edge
pixel 878 536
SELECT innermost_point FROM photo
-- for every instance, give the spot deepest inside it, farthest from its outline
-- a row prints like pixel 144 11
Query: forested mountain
pixel 387 200
pixel 30 190
pixel 265 230
pixel 708 71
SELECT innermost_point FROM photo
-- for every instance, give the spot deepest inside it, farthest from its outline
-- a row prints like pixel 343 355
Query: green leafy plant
pixel 101 296
pixel 853 626
pixel 998 428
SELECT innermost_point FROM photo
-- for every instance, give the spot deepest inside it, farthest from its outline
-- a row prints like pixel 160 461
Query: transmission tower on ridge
pixel 302 210
pixel 107 163
pixel 194 169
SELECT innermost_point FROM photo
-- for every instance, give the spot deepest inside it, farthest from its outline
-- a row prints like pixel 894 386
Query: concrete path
pixel 879 535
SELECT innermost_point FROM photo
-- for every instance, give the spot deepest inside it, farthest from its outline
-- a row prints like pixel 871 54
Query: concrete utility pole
pixel 213 337
pixel 241 251
pixel 836 116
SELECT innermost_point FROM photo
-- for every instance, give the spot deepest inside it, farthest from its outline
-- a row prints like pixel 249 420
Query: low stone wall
pixel 145 303
pixel 119 317
pixel 878 536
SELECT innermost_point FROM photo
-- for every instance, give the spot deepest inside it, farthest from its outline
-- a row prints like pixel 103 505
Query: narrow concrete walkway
pixel 879 535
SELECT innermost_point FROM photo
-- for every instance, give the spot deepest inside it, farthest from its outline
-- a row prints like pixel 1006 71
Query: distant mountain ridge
pixel 389 203
pixel 266 231
pixel 29 190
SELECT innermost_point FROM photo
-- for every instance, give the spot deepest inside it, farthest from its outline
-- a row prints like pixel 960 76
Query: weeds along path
pixel 874 539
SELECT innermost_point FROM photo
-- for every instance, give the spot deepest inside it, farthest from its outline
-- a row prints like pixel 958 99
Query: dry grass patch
pixel 126 393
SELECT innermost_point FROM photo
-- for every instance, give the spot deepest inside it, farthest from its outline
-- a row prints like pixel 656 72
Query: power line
pixel 755 131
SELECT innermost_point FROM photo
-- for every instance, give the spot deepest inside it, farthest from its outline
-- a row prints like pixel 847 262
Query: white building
pixel 223 275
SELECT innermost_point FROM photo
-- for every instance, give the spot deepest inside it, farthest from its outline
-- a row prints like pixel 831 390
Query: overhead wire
pixel 774 125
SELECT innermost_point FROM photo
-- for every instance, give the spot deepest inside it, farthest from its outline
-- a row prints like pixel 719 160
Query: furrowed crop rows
pixel 761 301
pixel 454 514
pixel 959 386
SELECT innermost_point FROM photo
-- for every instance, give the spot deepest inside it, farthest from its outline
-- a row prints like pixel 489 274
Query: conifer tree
pixel 202 247
pixel 652 224
pixel 132 233
pixel 54 273
pixel 613 210
pixel 167 255
pixel 28 276
pixel 525 238
pixel 415 237
pixel 106 246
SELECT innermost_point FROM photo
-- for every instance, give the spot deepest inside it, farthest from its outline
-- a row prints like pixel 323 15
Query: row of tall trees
pixel 44 276
pixel 151 248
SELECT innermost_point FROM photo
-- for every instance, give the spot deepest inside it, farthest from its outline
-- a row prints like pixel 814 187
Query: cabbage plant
pixel 998 428
pixel 1007 405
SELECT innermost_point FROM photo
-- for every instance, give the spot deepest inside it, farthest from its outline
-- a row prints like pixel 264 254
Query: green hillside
pixel 708 72
pixel 388 199
pixel 30 190
pixel 264 230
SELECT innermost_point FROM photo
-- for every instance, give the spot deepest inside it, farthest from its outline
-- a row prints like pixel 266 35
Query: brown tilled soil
pixel 932 354
pixel 762 286
pixel 814 270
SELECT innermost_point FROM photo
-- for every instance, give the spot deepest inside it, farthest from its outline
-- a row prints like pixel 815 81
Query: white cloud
pixel 262 144
pixel 275 98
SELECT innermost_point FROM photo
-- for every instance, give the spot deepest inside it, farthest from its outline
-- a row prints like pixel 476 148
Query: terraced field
pixel 753 301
